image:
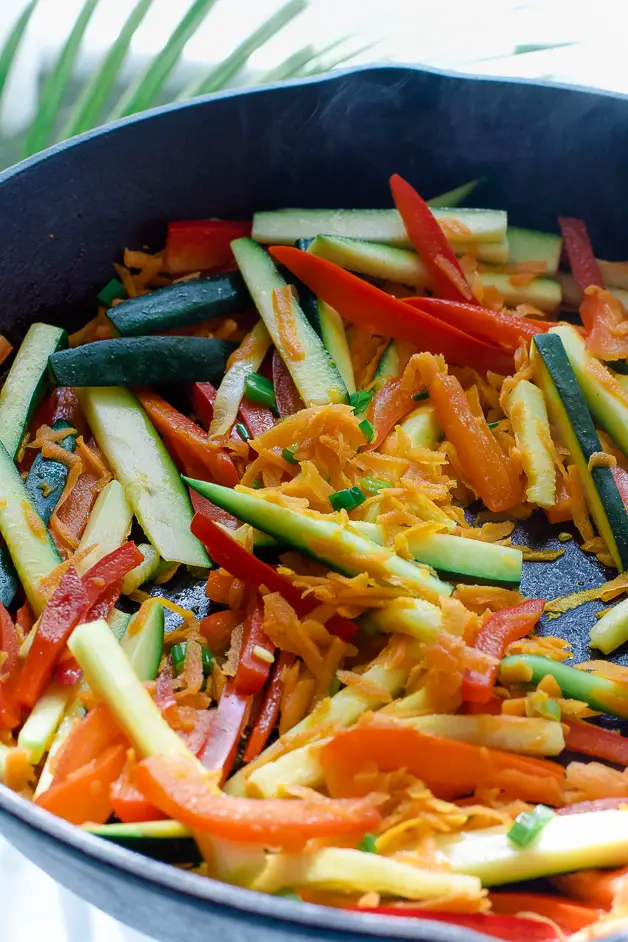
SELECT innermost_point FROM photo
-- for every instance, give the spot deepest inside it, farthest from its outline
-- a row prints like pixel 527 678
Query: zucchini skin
pixel 142 361
pixel 181 305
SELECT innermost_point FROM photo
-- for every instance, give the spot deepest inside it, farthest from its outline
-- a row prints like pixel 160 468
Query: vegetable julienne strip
pixel 439 735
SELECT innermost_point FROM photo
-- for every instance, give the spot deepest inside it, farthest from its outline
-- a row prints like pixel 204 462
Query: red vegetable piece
pixel 597 742
pixel 203 397
pixel 508 928
pixel 377 312
pixel 286 393
pixel 579 250
pixel 482 322
pixel 228 720
pixel 127 802
pixel 269 710
pixel 66 406
pixel 566 914
pixel 431 243
pixel 597 804
pixel 111 568
pixel 500 630
pixel 202 244
pixel 9 671
pixel 253 671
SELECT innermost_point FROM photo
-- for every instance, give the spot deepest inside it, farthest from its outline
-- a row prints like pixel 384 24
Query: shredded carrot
pixel 285 315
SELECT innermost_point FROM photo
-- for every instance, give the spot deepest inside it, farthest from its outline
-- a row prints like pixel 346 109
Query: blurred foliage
pixel 69 106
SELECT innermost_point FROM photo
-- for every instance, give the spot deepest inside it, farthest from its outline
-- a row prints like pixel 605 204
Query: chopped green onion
pixel 493 424
pixel 528 825
pixel 288 455
pixel 348 499
pixel 360 400
pixel 373 484
pixel 257 485
pixel 179 652
pixel 420 396
pixel 368 844
pixel 260 390
pixel 243 432
pixel 113 289
pixel 367 429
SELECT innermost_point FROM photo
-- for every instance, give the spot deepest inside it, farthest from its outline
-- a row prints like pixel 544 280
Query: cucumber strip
pixel 322 539
pixel 530 423
pixel 151 482
pixel 614 274
pixel 453 197
pixel 569 414
pixel 530 736
pixel 142 361
pixel 67 725
pixel 108 672
pixel 572 296
pixel 108 526
pixel 413 617
pixel 494 253
pixel 389 365
pixel 47 477
pixel 315 375
pixel 422 428
pixel 248 359
pixel 26 382
pixel 39 730
pixel 145 571
pixel 611 630
pixel 569 842
pixel 527 245
pixel 456 554
pixel 406 268
pixel 32 550
pixel 9 582
pixel 181 305
pixel 143 640
pixel 118 622
pixel 160 840
pixel 285 226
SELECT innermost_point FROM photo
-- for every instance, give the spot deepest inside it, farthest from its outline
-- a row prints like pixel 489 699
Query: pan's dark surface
pixel 65 216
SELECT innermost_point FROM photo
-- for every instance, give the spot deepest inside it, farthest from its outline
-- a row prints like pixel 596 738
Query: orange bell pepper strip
pixel 88 739
pixel 569 916
pixel 582 260
pixel 507 928
pixel 560 512
pixel 500 630
pixel 253 671
pixel 482 322
pixel 173 424
pixel 286 393
pixel 450 769
pixel 176 786
pixel 84 795
pixel 377 312
pixel 599 888
pixel 269 710
pixel 431 243
pixel 65 610
pixel 597 742
pixel 127 802
pixel 9 671
pixel 255 573
pixel 482 459
pixel 228 721
pixel 388 406
pixel 606 315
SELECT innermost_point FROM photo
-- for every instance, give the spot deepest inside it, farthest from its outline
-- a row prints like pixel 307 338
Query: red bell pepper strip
pixel 449 768
pixel 606 316
pixel 242 564
pixel 372 310
pixel 269 710
pixel 252 672
pixel 500 630
pixel 196 738
pixel 111 568
pixel 286 393
pixel 580 254
pixel 431 243
pixel 257 418
pixel 508 928
pixel 103 607
pixel 569 916
pixel 482 459
pixel 68 672
pixel 597 742
pixel 202 244
pixel 84 795
pixel 9 671
pixel 482 322
pixel 203 396
pixel 621 480
pixel 65 610
pixel 228 721
pixel 176 786
pixel 388 407
pixel 24 620
pixel 66 406
pixel 173 424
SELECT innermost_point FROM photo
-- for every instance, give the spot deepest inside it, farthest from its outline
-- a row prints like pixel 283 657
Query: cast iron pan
pixel 65 217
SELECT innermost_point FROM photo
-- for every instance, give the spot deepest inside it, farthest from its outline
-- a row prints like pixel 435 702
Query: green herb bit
pixel 373 485
pixel 260 390
pixel 360 400
pixel 288 454
pixel 243 432
pixel 528 825
pixel 347 499
pixel 367 430
pixel 420 396
pixel 368 844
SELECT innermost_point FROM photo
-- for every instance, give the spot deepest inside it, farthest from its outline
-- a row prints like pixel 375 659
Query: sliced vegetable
pixel 144 571
pixel 580 253
pixel 373 310
pixel 88 739
pixel 108 526
pixel 143 639
pixel 487 325
pixel 611 630
pixel 315 375
pixel 161 840
pixel 454 197
pixel 9 645
pixel 269 709
pixel 528 415
pixel 112 291
pixel 26 382
pixel 253 665
pixel 569 414
pixel 141 361
pixel 527 826
pixel 201 244
pixel 597 742
pixel 532 736
pixel 178 653
pixel 286 393
pixel 528 245
pixel 227 725
pixel 145 469
pixel 497 633
pixel 38 732
pixel 601 694
pixel 347 499
pixel 127 802
pixel 260 390
pixel 323 539
pixel 328 325
pixel 569 916
pixel 84 795
pixel 47 477
pixel 481 456
pixel 508 928
pixel 242 564
pixel 245 361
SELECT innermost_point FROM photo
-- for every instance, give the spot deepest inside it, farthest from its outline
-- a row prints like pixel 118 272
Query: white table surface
pixel 481 37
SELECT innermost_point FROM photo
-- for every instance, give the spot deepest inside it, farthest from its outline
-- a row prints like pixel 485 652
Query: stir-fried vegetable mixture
pixel 336 434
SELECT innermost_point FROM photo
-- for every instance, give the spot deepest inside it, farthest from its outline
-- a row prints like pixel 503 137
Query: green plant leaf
pixel 143 92
pixel 223 73
pixel 86 111
pixel 454 197
pixel 321 66
pixel 289 67
pixel 40 131
pixel 12 44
